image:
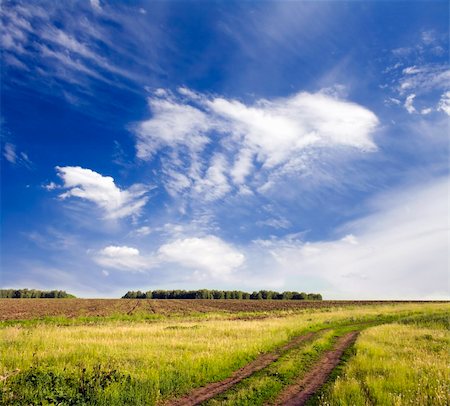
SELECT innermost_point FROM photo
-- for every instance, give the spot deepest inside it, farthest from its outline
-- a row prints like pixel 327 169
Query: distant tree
pixel 190 294
pixel 33 294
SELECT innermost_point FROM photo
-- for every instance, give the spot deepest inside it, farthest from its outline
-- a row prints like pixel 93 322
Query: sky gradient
pixel 226 145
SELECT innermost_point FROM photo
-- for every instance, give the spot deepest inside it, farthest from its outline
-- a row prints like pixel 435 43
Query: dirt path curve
pixel 298 393
pixel 204 393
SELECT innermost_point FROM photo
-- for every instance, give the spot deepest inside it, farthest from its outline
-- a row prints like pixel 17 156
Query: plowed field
pixel 23 309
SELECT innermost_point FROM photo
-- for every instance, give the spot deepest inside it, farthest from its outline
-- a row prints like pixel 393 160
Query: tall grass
pixel 263 386
pixel 395 365
pixel 123 362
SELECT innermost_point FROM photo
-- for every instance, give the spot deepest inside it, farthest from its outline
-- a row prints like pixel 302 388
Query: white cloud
pixel 275 130
pixel 122 258
pixel 444 103
pixel 207 257
pixel 101 190
pixel 277 135
pixel 207 254
pixel 399 251
pixel 409 104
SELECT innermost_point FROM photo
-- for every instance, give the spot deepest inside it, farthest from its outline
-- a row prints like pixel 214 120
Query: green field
pixel 396 364
pixel 139 361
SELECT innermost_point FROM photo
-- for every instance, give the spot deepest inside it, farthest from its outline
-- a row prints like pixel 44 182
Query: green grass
pixel 116 361
pixel 264 386
pixel 396 364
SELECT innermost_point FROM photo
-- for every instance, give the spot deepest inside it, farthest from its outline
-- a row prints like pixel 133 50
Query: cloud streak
pixel 399 251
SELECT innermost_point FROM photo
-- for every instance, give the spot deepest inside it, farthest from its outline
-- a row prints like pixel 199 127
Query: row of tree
pixel 34 294
pixel 221 294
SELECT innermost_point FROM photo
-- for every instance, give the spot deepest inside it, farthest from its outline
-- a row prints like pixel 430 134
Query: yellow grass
pixel 396 365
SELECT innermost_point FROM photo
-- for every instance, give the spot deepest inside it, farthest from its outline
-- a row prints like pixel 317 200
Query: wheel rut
pixel 298 393
pixel 207 392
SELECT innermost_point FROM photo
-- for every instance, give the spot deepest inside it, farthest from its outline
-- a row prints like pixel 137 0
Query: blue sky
pixel 231 145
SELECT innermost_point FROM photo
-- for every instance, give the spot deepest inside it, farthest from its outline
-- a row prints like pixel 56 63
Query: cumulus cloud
pixel 122 258
pixel 205 257
pixel 209 255
pixel 89 185
pixel 399 251
pixel 216 145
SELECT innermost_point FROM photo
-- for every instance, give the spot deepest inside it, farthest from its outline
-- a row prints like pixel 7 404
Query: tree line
pixel 34 294
pixel 221 294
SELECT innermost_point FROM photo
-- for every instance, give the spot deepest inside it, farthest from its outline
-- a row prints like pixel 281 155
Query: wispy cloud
pixel 14 157
pixel 212 146
pixel 115 203
pixel 420 71
pixel 62 47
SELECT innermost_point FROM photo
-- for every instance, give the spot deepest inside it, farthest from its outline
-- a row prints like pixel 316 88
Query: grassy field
pixel 135 359
pixel 396 364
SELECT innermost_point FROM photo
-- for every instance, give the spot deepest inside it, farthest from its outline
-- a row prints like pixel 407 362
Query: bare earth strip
pixel 204 393
pixel 298 393
pixel 22 309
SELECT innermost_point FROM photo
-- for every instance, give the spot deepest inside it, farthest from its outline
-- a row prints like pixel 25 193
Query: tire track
pixel 207 392
pixel 298 393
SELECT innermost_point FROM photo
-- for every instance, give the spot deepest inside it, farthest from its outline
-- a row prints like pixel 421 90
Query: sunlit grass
pixel 395 365
pixel 143 362
pixel 265 385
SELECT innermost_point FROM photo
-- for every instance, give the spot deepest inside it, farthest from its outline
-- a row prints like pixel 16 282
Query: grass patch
pixel 395 365
pixel 265 385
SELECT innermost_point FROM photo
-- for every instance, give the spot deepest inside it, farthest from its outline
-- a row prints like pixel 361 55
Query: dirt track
pixel 298 393
pixel 204 393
